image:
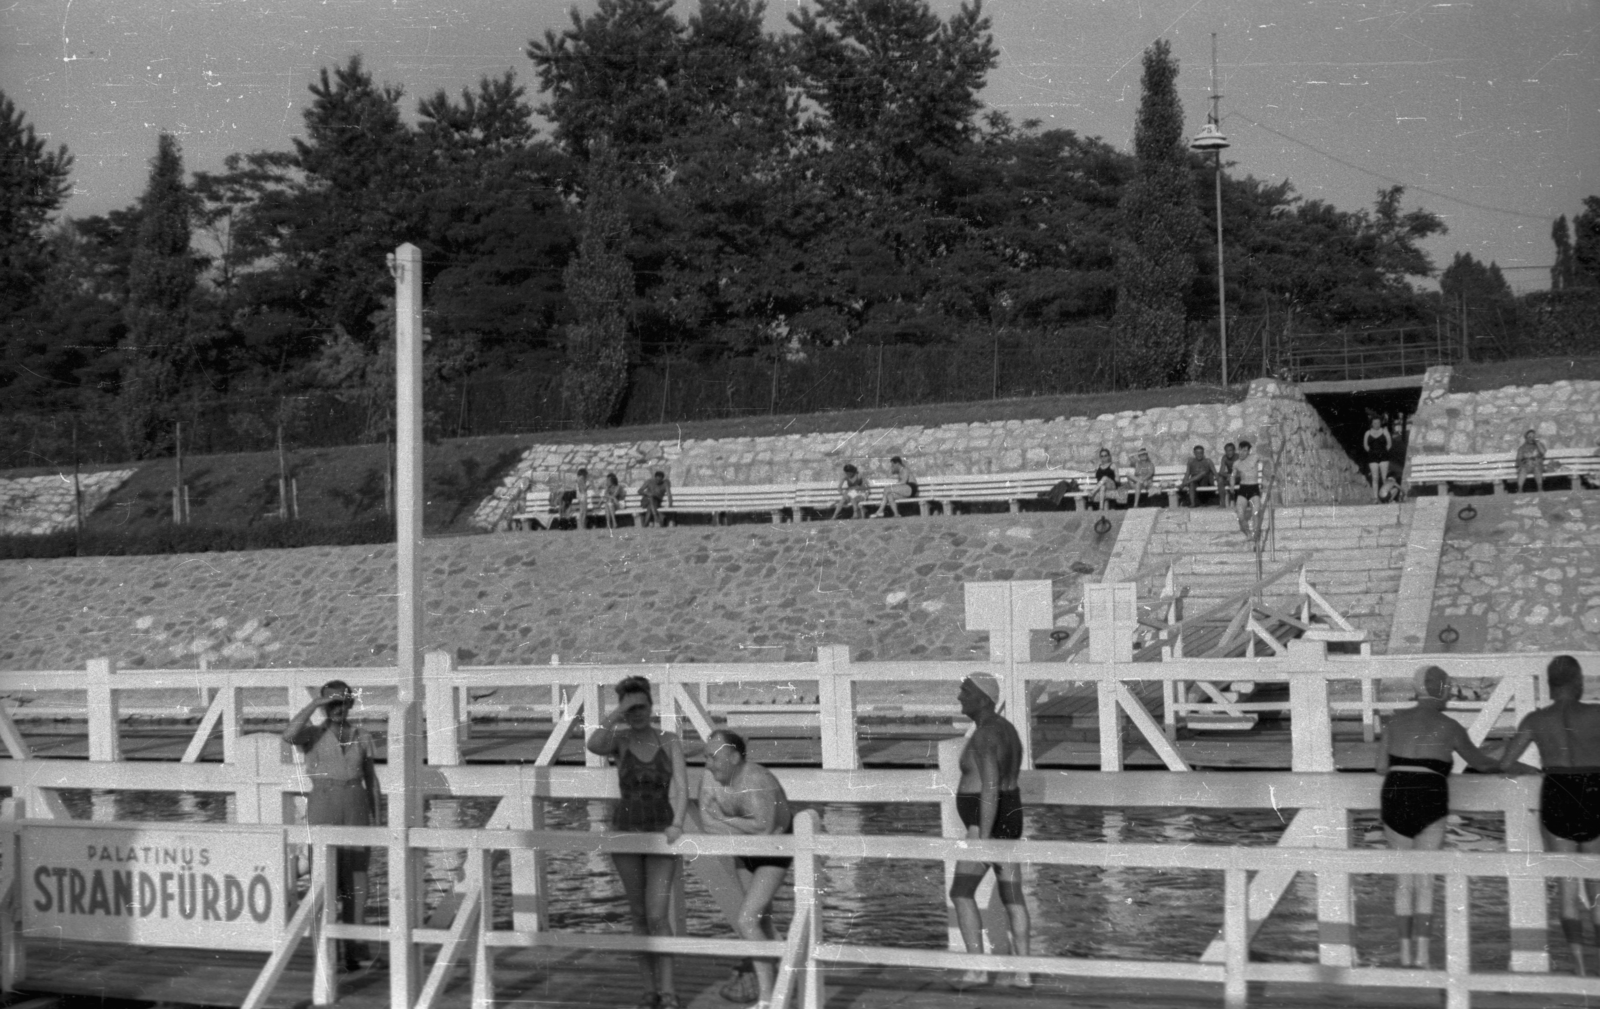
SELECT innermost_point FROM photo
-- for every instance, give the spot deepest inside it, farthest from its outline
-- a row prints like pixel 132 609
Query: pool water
pixel 1080 911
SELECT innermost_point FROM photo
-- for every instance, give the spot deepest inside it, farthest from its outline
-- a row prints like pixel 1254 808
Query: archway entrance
pixel 1348 408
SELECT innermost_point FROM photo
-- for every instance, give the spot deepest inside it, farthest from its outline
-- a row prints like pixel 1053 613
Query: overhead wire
pixel 1387 178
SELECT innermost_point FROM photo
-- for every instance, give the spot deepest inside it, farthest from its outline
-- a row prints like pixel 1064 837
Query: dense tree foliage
pixel 1159 230
pixel 708 189
pixel 1586 244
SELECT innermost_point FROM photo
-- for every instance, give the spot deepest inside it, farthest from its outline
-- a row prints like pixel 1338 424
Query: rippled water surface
pixel 1077 911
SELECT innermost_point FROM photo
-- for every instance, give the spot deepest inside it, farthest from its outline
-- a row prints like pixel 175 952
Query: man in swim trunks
pixel 344 792
pixel 1530 460
pixel 1568 736
pixel 739 796
pixel 990 804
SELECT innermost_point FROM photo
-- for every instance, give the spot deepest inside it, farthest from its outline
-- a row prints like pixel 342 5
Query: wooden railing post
pixel 836 694
pixel 102 698
pixel 1310 717
pixel 444 709
pixel 1011 612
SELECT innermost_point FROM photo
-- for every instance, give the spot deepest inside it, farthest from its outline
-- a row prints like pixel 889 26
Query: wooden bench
pixel 1498 469
pixel 1010 489
pixel 719 502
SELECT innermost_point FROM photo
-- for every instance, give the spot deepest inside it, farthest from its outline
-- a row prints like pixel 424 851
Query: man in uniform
pixel 344 792
pixel 739 796
pixel 1567 733
pixel 990 804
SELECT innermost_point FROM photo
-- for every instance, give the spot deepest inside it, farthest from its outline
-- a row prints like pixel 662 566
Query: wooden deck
pixel 605 981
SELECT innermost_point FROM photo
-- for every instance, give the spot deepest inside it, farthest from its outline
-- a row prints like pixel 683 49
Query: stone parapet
pixel 1566 414
pixel 37 505
pixel 1312 466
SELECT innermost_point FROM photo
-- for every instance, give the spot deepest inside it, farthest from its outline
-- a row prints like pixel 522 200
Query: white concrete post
pixel 593 714
pixel 1110 720
pixel 406 744
pixel 1529 916
pixel 1110 611
pixel 1011 612
pixel 102 704
pixel 836 696
pixel 1310 717
pixel 444 709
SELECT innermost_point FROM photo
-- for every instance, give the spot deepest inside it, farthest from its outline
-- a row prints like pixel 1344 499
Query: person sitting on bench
pixel 1198 472
pixel 1530 460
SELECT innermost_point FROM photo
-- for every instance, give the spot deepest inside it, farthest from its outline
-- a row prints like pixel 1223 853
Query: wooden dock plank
pixel 579 980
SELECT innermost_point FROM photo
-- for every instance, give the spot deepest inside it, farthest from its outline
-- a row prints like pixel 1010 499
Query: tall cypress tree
pixel 161 279
pixel 1159 224
pixel 599 284
pixel 1561 269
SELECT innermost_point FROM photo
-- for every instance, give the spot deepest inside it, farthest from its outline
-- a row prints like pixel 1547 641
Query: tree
pixel 1561 271
pixel 599 283
pixel 161 279
pixel 897 86
pixel 34 183
pixel 1586 244
pixel 1159 229
pixel 611 75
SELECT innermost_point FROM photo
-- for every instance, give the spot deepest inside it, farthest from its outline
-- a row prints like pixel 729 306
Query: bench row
pixel 1499 468
pixel 794 501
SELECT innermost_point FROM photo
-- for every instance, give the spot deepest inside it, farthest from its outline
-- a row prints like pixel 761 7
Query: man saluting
pixel 990 804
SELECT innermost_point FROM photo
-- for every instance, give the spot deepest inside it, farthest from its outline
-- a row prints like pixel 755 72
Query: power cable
pixel 1387 178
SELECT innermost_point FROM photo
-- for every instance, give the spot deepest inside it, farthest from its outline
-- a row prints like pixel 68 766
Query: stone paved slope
pixel 889 589
pixel 1523 575
pixel 1357 558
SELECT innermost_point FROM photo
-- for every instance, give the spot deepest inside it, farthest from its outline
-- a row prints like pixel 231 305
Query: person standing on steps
pixel 989 802
pixel 1567 733
pixel 1415 761
pixel 340 761
pixel 739 796
pixel 1247 484
pixel 1375 446
pixel 655 795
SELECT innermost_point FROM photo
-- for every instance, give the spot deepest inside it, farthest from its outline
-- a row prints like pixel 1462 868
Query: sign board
pixel 154 884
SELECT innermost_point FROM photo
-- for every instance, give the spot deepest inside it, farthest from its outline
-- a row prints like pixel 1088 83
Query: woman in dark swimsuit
pixel 1415 762
pixel 1376 445
pixel 655 794
pixel 1105 481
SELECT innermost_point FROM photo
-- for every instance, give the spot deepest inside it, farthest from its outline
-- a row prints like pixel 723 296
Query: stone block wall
pixel 35 505
pixel 1566 414
pixel 748 593
pixel 1313 468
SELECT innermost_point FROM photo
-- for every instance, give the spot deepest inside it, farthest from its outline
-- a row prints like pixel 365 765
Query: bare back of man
pixel 989 802
pixel 1567 733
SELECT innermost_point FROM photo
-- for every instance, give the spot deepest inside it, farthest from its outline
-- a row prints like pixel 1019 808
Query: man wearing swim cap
pixel 1568 736
pixel 990 804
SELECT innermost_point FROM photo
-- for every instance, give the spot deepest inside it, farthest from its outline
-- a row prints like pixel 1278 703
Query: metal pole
pixel 1222 297
pixel 405 736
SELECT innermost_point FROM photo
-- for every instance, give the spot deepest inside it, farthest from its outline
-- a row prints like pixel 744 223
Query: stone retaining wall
pixel 1313 468
pixel 747 593
pixel 1566 414
pixel 35 505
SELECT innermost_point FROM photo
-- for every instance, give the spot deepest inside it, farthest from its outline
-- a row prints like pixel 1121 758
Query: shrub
pixel 195 539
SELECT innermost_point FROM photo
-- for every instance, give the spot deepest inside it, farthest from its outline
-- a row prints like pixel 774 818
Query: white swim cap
pixel 1431 682
pixel 986 683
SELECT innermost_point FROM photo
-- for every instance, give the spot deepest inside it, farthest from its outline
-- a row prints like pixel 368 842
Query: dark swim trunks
pixel 1416 794
pixel 1569 804
pixel 754 862
pixel 1007 814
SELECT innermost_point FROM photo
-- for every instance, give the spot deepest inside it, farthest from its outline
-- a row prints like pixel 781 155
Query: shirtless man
pixel 738 796
pixel 1530 461
pixel 990 804
pixel 1198 472
pixel 1568 736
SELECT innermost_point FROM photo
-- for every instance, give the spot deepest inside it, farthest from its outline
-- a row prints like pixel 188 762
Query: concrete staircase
pixel 1357 555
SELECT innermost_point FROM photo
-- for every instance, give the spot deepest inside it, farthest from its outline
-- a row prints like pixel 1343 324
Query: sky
pixel 1488 113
